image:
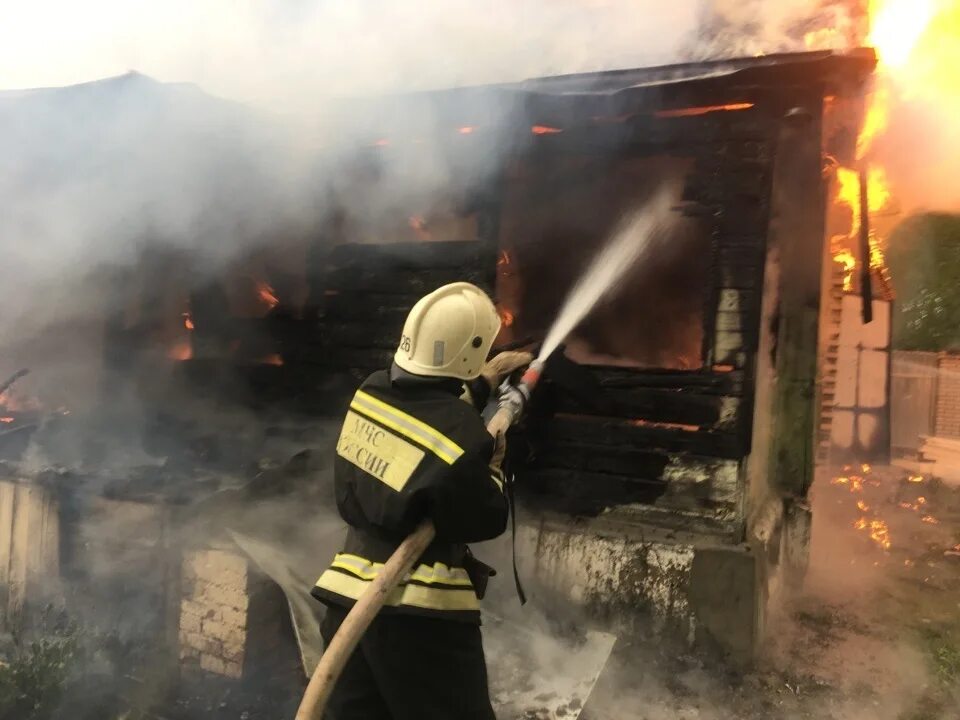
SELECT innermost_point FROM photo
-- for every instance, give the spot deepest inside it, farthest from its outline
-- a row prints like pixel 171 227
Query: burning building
pixel 665 464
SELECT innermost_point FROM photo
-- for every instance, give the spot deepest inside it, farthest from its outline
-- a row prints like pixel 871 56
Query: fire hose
pixel 512 401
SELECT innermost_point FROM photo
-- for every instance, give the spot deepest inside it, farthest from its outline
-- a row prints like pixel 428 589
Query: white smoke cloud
pixel 293 52
pixel 94 177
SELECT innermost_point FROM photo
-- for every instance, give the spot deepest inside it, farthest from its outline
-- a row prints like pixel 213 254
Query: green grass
pixel 33 680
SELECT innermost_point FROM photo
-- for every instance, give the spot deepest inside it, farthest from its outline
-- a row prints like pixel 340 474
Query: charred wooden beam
pixel 380 309
pixel 668 406
pixel 12 379
pixel 418 255
pixel 405 283
pixel 866 279
pixel 636 465
pixel 606 433
pixel 693 381
pixel 587 494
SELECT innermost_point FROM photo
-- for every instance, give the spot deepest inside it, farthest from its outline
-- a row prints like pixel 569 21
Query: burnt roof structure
pixel 598 98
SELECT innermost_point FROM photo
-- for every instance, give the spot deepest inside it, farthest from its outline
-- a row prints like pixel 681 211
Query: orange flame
pixel 466 130
pixel 419 227
pixel 880 533
pixel 544 130
pixel 703 110
pixel 506 317
pixel 896 27
pixel 7 419
pixel 875 122
pixel 267 294
pixel 187 321
pixel 181 351
pixel 848 194
pixel 273 359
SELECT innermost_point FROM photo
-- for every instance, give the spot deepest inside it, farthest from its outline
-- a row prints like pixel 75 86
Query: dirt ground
pixel 875 634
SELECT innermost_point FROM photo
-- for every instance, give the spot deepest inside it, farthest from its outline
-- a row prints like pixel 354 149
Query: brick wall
pixel 214 611
pixel 948 397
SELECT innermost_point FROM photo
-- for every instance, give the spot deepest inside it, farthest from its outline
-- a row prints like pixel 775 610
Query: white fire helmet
pixel 449 332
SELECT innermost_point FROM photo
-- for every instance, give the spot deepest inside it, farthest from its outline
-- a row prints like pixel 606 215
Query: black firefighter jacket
pixel 411 448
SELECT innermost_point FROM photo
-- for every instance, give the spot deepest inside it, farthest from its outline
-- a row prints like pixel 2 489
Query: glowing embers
pixel 181 350
pixel 266 294
pixel 639 422
pixel 419 226
pixel 703 110
pixel 874 527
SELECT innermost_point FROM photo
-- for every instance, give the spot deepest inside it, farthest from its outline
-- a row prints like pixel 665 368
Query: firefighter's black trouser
pixel 411 668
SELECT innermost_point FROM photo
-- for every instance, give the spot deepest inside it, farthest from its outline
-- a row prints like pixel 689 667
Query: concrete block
pixel 727 597
pixel 231 616
pixel 225 563
pixel 192 640
pixel 189 622
pixel 192 607
pixel 216 566
pixel 219 666
pixel 235 596
pixel 233 653
pixel 228 634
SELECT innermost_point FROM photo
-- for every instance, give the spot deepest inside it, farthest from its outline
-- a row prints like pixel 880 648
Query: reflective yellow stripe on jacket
pixel 435 587
pixel 408 426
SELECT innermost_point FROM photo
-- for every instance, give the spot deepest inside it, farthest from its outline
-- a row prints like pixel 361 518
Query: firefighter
pixel 413 445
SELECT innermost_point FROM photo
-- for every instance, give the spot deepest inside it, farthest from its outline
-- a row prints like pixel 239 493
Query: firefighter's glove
pixel 499 451
pixel 499 368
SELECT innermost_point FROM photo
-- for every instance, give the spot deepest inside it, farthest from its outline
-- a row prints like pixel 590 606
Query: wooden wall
pixel 29 547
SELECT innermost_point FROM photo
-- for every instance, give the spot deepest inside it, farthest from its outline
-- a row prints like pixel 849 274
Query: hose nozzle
pixel 532 375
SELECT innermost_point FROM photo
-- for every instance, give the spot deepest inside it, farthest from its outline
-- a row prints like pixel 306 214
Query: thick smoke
pixel 96 177
pixel 728 28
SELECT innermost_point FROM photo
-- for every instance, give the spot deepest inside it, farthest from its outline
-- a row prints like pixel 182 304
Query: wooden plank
pixel 734 256
pixel 397 281
pixel 611 432
pixel 422 255
pixel 360 335
pixel 743 218
pixel 378 309
pixel 668 406
pixel 633 463
pixel 583 493
pixel 7 508
pixel 370 358
pixel 691 381
pixel 797 238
